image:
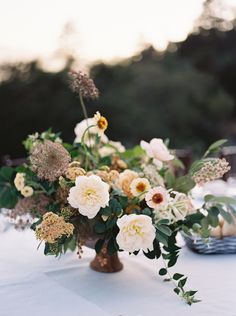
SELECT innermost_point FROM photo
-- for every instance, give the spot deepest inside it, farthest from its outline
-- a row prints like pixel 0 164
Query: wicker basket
pixel 226 245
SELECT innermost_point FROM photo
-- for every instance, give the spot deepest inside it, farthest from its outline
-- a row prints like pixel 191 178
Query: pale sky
pixel 103 29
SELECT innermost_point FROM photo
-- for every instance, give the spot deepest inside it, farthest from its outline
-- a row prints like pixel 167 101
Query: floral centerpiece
pixel 95 192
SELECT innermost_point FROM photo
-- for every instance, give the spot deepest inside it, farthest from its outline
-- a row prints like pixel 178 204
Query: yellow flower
pixel 139 186
pixel 27 191
pixel 19 181
pixel 52 228
pixel 100 121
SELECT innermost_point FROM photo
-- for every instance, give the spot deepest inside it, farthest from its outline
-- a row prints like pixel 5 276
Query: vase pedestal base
pixel 106 263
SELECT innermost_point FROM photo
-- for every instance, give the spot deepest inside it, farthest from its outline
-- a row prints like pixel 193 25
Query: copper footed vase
pixel 103 262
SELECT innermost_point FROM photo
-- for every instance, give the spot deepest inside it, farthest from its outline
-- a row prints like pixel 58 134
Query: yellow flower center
pixel 141 187
pixel 134 228
pixel 102 123
pixel 90 194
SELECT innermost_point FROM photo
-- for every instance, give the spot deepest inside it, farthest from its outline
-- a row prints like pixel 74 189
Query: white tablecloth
pixel 31 283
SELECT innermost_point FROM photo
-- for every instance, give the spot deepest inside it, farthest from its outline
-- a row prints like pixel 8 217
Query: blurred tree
pixel 212 49
pixel 34 100
pixel 162 95
pixel 149 95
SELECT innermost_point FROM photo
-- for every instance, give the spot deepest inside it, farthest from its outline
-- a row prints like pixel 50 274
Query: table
pixel 31 283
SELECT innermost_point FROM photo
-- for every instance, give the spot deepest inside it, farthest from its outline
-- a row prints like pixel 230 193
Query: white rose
pixel 136 232
pixel 157 150
pixel 88 195
pixel 82 126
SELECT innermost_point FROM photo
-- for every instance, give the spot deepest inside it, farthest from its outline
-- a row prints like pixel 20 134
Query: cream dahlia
pixel 88 195
pixel 136 232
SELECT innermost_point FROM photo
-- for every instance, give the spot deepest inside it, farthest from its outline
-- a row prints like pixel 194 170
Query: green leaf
pixel 8 192
pixel 47 250
pixel 111 222
pixel 123 200
pixel 106 211
pixel 162 271
pixel 169 179
pixel 147 211
pixel 182 282
pixel 173 260
pixel 196 166
pixel 162 238
pixel 215 147
pixel 191 293
pixel 150 254
pixel 69 243
pixel 226 215
pixel 178 163
pixel 164 229
pixel 185 229
pixel 177 276
pixel 114 208
pixel 135 152
pixel 99 244
pixel 100 227
pixel 184 184
pixel 112 246
pixel 177 290
pixel 213 218
pixel 35 224
pixel 166 256
pixel 220 199
pixel 163 222
pixel 155 253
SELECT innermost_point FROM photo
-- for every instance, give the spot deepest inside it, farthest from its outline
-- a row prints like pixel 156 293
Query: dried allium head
pixel 53 227
pixel 49 160
pixel 212 169
pixel 81 84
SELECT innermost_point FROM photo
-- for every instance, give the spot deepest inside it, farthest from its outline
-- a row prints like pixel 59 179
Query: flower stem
pixel 83 107
pixel 85 113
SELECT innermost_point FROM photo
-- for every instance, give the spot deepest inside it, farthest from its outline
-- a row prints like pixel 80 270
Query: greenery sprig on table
pixel 125 199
